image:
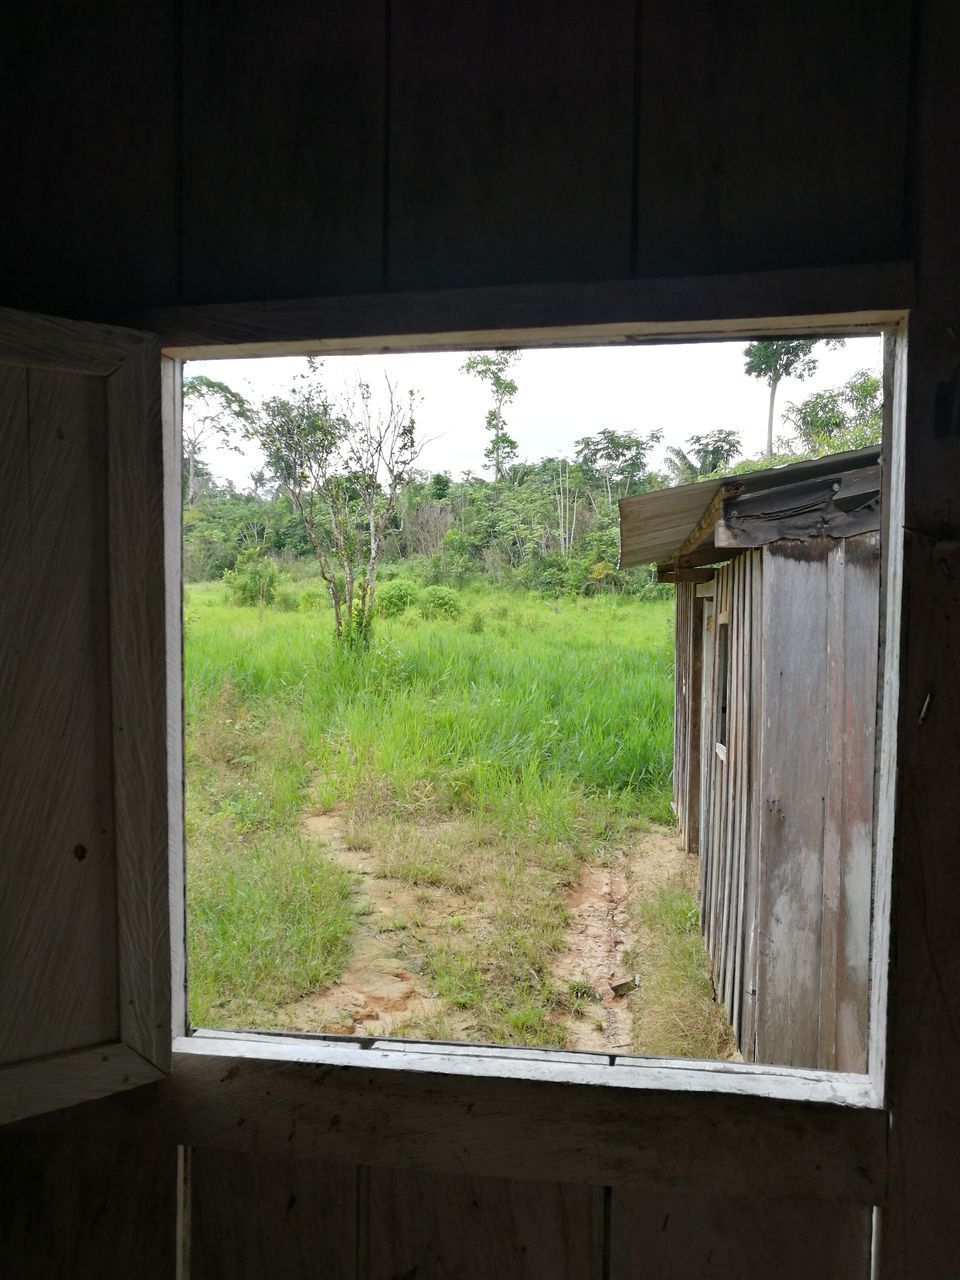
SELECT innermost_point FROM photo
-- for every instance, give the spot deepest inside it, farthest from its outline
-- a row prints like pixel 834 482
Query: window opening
pixel 723 659
pixel 431 744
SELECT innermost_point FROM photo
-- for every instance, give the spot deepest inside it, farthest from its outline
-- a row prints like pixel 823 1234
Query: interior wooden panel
pixel 252 1217
pixel 89 101
pixel 58 978
pixel 704 1238
pixel 511 131
pixel 791 143
pixel 283 132
pixel 437 1226
pixel 77 1209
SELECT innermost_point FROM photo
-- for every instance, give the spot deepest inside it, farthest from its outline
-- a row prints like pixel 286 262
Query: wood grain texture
pixel 283 136
pixel 771 137
pixel 844 299
pixel 680 1237
pixel 436 1226
pixel 83 881
pixel 793 786
pixel 510 142
pixel 58 975
pixel 138 681
pixel 89 157
pixel 501 1128
pixel 252 1216
pixel 921 1231
pixel 70 1210
pixel 66 1079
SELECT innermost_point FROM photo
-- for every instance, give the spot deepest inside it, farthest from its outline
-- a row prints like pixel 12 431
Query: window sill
pixel 630 1072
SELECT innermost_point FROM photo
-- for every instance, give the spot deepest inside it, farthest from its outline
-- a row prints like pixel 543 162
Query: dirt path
pixel 379 994
pixel 601 931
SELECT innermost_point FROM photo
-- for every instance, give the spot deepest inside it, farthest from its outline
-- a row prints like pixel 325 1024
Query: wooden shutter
pixel 84 916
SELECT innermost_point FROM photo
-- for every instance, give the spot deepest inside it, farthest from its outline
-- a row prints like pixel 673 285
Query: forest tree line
pixel 341 488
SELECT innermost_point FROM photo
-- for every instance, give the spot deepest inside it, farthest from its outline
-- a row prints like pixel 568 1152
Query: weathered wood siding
pixel 728 821
pixel 688 654
pixel 819 690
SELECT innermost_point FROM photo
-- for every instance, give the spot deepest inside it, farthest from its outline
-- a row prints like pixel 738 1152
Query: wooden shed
pixel 777 637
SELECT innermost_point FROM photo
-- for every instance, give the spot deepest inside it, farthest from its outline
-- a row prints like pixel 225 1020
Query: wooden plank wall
pixel 688 652
pixel 208 152
pixel 819 692
pixel 111 1210
pixel 58 950
pixel 728 836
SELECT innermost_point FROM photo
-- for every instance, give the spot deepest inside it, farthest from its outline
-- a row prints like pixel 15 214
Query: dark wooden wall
pixel 188 152
pixel 184 152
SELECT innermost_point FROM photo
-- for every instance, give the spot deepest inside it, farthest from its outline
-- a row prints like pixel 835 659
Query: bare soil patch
pixel 380 993
pixel 603 938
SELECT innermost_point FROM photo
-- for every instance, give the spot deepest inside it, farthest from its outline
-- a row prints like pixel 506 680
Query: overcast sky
pixel 562 394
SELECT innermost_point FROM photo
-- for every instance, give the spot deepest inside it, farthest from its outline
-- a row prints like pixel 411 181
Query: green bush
pixel 396 597
pixel 440 602
pixel 286 601
pixel 253 580
pixel 312 599
pixel 475 624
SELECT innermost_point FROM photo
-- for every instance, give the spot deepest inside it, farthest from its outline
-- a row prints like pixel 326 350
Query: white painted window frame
pixel 620 1071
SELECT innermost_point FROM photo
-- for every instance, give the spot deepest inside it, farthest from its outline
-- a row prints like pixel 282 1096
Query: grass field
pixel 481 758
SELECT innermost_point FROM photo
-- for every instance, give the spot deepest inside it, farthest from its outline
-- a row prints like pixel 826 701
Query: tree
pixel 847 417
pixel 343 466
pixel 706 454
pixel 211 410
pixel 502 449
pixel 617 460
pixel 771 362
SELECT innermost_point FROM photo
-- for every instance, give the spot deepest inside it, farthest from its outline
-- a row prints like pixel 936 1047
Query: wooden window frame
pixel 742 308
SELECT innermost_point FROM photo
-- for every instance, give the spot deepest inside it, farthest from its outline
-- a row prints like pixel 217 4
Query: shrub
pixel 475 623
pixel 253 580
pixel 440 602
pixel 285 600
pixel 394 598
pixel 312 599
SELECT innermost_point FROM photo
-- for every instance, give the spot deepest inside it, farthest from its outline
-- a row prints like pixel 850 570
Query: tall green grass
pixel 546 721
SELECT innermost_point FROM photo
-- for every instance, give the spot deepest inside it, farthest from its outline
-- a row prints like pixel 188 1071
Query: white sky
pixel 562 394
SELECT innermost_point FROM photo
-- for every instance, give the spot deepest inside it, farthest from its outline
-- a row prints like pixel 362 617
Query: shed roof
pixel 653 525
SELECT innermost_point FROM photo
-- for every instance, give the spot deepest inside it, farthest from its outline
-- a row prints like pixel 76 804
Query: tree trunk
pixel 774 383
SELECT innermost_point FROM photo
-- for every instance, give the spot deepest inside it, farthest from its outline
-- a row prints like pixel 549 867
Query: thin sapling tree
pixel 343 465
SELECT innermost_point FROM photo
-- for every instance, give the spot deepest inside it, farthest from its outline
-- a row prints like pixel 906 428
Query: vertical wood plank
pixel 860 696
pixel 793 790
pixel 836 748
pixel 283 161
pixel 700 1238
pixel 139 697
pixel 511 133
pixel 89 154
pixel 434 1227
pixel 748 116
pixel 76 1209
pixel 253 1216
pixel 58 967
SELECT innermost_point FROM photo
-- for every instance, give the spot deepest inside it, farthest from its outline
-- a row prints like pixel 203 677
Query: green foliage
pixel 254 580
pixel 440 602
pixel 396 597
pixel 311 599
pixel 708 453
pixel 501 452
pixel 848 417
